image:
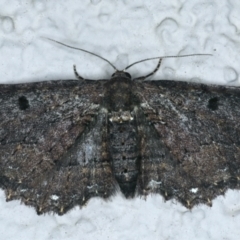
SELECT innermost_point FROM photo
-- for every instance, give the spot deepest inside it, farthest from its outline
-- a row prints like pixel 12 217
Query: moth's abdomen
pixel 123 144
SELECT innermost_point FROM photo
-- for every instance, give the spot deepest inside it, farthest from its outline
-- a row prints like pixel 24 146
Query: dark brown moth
pixel 64 142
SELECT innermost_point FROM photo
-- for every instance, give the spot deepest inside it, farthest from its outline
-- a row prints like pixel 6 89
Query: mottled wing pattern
pixel 51 141
pixel 191 146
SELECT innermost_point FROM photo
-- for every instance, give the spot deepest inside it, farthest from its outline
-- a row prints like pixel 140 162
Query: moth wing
pixel 198 132
pixel 51 144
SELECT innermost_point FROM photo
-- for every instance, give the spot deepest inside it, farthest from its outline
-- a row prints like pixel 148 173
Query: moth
pixel 64 142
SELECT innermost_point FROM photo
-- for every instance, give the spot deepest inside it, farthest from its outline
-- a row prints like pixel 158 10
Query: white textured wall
pixel 123 32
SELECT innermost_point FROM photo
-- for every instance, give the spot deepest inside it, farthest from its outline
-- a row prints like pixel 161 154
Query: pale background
pixel 123 32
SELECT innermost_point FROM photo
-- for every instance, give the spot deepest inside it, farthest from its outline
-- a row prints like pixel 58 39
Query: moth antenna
pixel 147 59
pixel 83 50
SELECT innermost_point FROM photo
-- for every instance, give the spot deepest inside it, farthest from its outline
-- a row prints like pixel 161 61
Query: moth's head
pixel 121 74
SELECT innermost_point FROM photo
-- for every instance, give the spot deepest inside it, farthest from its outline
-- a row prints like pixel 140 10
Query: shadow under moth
pixel 64 142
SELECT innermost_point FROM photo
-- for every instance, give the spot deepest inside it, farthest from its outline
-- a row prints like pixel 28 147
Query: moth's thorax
pixel 118 95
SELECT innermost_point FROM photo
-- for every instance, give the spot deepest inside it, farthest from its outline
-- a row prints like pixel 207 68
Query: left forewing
pixel 42 126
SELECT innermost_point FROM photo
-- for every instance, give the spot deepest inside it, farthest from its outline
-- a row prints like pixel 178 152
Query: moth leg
pixel 151 73
pixel 76 73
